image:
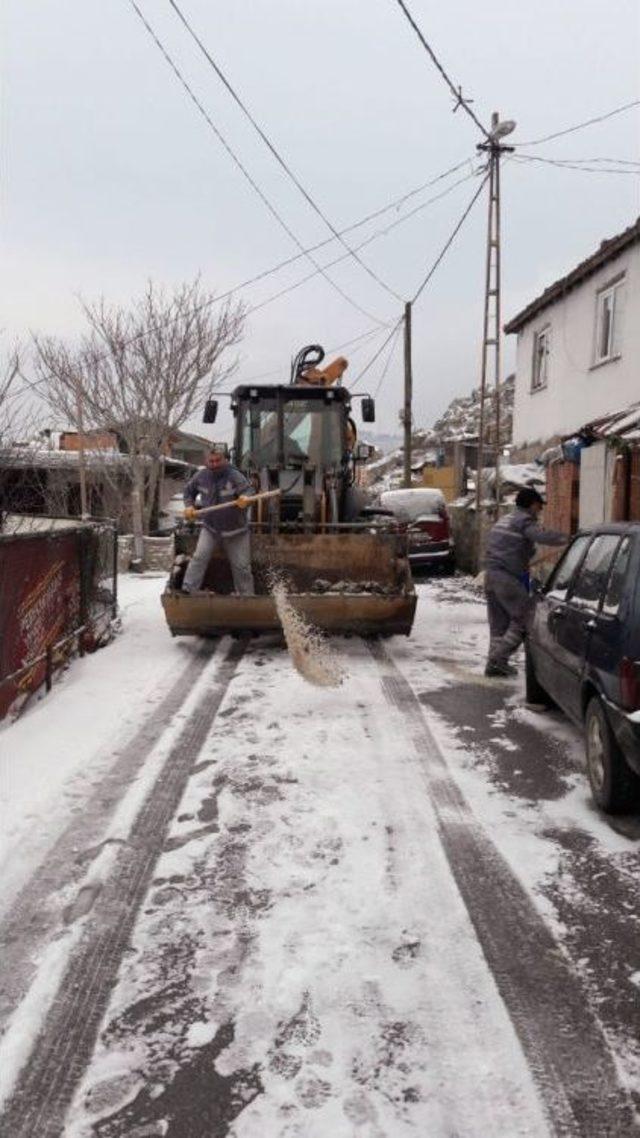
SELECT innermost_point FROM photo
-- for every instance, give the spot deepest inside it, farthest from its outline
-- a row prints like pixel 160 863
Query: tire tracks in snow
pixel 561 1037
pixel 31 919
pixel 46 1084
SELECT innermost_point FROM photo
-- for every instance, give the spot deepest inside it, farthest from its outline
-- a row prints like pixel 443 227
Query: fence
pixel 58 593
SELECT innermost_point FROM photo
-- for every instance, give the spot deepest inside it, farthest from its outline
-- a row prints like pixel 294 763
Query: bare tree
pixel 141 372
pixel 19 421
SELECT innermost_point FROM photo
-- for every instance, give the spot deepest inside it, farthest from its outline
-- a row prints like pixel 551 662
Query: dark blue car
pixel 583 654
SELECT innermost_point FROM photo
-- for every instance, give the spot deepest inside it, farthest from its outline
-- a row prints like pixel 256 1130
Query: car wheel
pixel 615 787
pixel 534 691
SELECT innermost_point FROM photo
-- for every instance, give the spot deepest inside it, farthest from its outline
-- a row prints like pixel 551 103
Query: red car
pixel 424 513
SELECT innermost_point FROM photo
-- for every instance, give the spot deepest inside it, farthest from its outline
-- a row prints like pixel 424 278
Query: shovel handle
pixel 250 501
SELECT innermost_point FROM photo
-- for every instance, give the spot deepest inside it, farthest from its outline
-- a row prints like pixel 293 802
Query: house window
pixel 539 371
pixel 609 303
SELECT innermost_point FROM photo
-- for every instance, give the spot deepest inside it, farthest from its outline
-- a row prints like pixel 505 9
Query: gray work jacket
pixel 214 488
pixel 512 541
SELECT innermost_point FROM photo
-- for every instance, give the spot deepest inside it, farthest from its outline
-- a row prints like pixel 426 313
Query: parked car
pixel 583 653
pixel 424 512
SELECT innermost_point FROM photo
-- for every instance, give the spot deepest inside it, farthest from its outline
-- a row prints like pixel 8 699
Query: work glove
pixel 190 513
pixel 242 502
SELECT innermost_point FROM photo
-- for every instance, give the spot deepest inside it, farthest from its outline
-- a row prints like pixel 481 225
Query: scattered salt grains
pixel 311 655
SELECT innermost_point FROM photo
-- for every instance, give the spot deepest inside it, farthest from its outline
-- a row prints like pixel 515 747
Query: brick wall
pixel 563 485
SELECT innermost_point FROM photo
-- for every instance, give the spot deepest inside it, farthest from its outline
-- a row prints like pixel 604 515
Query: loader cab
pixel 288 426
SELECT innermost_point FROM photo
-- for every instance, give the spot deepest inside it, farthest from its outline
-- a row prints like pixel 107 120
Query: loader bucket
pixel 341 582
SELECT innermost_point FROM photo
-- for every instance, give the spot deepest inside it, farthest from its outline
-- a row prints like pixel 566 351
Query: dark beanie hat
pixel 528 497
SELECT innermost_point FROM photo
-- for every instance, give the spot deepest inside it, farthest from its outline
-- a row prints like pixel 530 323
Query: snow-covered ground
pixel 305 961
pixel 63 743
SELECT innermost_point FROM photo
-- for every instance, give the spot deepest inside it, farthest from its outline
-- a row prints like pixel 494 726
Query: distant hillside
pixel 462 417
pixel 461 420
pixel 382 442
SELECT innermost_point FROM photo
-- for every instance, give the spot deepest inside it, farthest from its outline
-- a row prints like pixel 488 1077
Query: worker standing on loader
pixel 216 484
pixel 510 547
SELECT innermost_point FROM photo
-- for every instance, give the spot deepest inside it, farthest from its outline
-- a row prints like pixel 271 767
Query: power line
pixel 377 354
pixel 276 154
pixel 264 199
pixel 564 164
pixel 291 260
pixel 610 161
pixel 455 91
pixel 368 335
pixel 450 239
pixel 385 369
pixel 426 280
pixel 296 257
pixel 581 125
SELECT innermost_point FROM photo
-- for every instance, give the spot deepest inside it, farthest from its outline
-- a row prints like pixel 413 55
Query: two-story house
pixel 578 352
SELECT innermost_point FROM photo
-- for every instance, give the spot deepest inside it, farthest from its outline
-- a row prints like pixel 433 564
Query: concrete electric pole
pixel 492 320
pixel 407 414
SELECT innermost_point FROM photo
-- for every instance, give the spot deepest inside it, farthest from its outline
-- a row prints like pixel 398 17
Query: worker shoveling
pixel 293 502
pixel 311 655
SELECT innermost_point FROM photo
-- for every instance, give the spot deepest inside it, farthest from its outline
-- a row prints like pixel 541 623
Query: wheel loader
pixel 345 565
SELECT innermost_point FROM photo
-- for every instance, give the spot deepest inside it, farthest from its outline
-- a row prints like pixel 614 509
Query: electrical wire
pixel 369 334
pixel 385 369
pixel 450 239
pixel 276 154
pixel 455 91
pixel 581 125
pixel 291 260
pixel 427 278
pixel 254 185
pixel 396 327
pixel 565 164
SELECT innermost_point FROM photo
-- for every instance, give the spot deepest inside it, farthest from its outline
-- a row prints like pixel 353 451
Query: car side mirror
pixel 368 409
pixel 210 411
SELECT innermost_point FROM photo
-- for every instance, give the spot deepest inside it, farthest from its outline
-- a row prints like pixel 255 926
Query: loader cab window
pixel 312 433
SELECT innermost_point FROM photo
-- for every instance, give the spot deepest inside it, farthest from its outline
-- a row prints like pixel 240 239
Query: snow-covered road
pixel 284 910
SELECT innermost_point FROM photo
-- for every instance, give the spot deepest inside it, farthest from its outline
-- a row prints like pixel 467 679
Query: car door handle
pixel 591 624
pixel 556 614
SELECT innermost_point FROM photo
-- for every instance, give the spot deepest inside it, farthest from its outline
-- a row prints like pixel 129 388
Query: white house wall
pixel 577 392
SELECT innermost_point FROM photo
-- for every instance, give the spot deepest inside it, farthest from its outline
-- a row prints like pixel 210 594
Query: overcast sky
pixel 110 176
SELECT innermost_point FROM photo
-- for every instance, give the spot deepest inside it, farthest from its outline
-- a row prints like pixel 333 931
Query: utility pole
pixel 84 511
pixel 407 414
pixel 492 318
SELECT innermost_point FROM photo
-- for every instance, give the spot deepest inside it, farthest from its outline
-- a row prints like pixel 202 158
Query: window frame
pixel 549 589
pixel 611 289
pixel 578 602
pixel 540 374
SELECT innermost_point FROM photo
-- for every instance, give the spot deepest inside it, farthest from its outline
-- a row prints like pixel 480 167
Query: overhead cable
pixel 427 278
pixel 450 239
pixel 581 125
pixel 254 185
pixel 455 91
pixel 359 340
pixel 563 164
pixel 383 232
pixel 276 154
pixel 389 358
pixel 396 327
pixel 291 260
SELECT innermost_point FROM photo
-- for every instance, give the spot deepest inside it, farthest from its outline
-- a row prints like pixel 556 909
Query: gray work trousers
pixel 237 547
pixel 508 609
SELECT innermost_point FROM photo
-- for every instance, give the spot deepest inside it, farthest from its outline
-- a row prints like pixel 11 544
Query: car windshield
pixel 409 505
pixel 312 432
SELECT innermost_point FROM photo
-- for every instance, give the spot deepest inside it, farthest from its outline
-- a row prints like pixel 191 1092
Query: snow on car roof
pixel 413 502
